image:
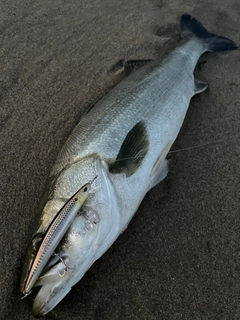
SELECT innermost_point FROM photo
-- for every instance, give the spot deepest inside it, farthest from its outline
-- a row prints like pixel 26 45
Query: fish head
pixel 91 233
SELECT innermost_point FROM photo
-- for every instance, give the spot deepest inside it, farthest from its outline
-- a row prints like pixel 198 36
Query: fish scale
pixel 139 99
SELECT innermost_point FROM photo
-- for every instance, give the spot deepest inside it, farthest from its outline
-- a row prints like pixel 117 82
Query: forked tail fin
pixel 191 26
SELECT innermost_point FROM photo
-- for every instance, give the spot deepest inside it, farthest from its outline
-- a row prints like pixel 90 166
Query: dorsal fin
pixel 133 150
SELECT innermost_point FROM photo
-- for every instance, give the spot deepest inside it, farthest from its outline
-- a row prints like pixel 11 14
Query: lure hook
pixel 64 264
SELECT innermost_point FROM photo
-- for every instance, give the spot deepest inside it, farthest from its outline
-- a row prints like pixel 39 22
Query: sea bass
pixel 124 140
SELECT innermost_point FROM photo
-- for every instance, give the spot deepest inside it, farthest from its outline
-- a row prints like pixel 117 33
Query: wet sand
pixel 179 257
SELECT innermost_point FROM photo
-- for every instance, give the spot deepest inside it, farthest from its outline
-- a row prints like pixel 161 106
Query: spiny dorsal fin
pixel 131 65
pixel 127 66
pixel 133 150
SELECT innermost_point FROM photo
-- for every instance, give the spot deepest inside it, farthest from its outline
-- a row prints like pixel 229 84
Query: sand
pixel 179 257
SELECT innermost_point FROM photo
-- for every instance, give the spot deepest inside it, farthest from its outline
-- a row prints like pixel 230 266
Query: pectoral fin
pixel 133 150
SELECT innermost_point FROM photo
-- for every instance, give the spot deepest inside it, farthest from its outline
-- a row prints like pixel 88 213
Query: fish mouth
pixel 48 297
pixel 51 288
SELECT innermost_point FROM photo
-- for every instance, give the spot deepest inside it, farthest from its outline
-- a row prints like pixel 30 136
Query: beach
pixel 179 258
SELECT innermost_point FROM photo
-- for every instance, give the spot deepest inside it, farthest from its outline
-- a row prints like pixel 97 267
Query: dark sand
pixel 179 257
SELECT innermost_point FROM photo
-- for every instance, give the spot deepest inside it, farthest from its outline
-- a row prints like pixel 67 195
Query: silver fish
pixel 124 139
pixel 54 234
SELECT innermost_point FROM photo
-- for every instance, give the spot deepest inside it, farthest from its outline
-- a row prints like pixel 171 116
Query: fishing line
pixel 195 147
pixel 189 148
pixel 203 145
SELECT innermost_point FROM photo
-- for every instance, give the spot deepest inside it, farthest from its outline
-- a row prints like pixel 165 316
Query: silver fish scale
pixel 136 98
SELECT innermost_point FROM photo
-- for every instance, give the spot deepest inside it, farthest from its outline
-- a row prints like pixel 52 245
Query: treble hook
pixel 64 264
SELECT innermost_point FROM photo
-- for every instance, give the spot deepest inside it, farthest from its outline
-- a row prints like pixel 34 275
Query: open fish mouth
pixel 51 287
pixel 48 297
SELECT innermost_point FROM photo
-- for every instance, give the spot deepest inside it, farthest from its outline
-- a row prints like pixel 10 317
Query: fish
pixel 54 234
pixel 125 140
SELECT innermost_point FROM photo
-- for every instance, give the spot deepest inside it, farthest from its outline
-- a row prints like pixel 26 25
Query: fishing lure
pixel 54 234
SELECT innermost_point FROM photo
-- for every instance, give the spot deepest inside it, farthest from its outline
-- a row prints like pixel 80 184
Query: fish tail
pixel 212 42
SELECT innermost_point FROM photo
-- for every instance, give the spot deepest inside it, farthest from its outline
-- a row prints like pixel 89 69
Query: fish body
pixel 54 234
pixel 124 139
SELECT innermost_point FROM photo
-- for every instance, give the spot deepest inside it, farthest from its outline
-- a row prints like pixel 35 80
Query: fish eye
pixel 85 189
pixel 37 240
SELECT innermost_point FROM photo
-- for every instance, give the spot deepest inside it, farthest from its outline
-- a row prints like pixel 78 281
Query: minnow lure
pixel 55 233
